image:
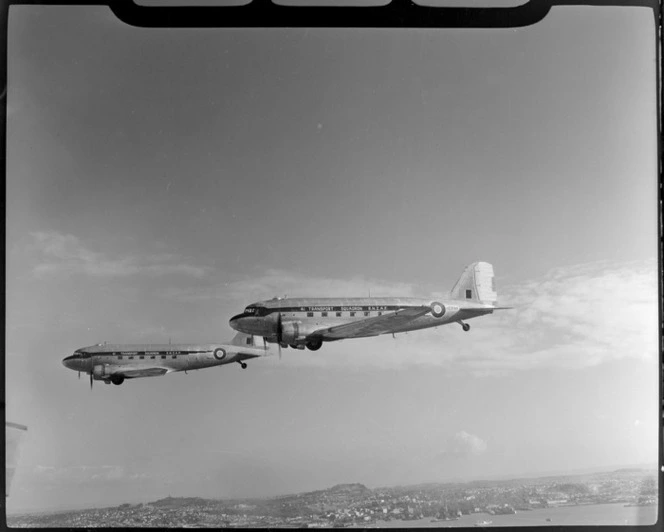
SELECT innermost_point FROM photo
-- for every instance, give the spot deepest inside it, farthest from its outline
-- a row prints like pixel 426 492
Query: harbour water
pixel 592 514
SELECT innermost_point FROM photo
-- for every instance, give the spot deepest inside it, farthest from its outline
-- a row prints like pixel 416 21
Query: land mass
pixel 354 504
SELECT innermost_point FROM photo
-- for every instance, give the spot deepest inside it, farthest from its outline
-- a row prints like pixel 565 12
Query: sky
pixel 158 181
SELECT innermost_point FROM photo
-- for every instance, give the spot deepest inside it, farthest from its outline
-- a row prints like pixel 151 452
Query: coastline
pixel 582 514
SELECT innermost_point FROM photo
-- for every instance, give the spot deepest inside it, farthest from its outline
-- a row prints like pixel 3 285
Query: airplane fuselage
pixel 115 362
pixel 301 317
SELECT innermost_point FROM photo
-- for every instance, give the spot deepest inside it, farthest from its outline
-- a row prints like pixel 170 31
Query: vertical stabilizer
pixel 476 284
pixel 245 340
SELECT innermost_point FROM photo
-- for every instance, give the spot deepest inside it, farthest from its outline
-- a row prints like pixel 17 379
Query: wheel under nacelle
pixel 292 335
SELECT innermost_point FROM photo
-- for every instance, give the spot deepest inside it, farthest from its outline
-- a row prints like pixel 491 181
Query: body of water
pixel 592 514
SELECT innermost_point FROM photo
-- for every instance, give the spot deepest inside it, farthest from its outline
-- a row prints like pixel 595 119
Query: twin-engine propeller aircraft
pixel 309 322
pixel 115 363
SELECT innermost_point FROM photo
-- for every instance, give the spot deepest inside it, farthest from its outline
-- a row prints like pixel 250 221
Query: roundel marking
pixel 219 353
pixel 437 309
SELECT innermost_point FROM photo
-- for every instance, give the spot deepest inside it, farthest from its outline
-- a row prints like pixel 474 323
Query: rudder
pixel 244 340
pixel 476 284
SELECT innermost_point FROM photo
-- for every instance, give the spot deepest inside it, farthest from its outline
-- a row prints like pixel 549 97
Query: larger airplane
pixel 308 322
pixel 113 363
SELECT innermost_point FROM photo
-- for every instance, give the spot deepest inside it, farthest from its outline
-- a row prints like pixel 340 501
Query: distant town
pixel 349 505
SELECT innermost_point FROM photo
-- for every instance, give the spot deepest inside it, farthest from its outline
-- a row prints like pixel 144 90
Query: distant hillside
pixel 355 489
pixel 177 502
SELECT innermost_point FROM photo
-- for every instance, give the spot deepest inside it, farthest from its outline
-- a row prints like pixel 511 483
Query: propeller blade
pixel 279 330
pixel 91 380
pixel 279 333
pixel 79 375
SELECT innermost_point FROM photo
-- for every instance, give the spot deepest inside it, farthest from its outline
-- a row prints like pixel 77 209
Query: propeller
pixel 279 333
pixel 91 380
pixel 79 375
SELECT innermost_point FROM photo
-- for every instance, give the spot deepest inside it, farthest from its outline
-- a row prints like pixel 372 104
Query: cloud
pixel 79 474
pixel 463 444
pixel 279 283
pixel 65 255
pixel 573 317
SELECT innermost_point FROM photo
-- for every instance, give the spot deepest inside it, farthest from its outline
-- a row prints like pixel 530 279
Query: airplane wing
pixel 144 372
pixel 386 323
pixel 255 353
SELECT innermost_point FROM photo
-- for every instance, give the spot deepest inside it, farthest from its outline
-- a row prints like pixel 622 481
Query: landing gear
pixel 244 366
pixel 117 379
pixel 464 326
pixel 314 345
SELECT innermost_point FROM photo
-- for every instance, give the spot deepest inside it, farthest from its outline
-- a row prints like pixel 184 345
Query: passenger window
pixel 380 313
pixel 469 294
pixel 338 314
pixel 142 357
pixel 174 356
pixel 163 356
pixel 323 314
pixel 352 314
pixel 152 356
pixel 131 358
pixel 310 314
pixel 119 357
pixel 366 313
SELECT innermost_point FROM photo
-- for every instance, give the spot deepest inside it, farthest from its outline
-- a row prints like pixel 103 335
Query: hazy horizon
pixel 158 181
pixel 534 475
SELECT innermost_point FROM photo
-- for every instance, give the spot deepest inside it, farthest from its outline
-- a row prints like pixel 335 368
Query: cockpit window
pixel 255 311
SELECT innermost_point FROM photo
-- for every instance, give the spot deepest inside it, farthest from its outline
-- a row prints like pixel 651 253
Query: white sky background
pixel 159 181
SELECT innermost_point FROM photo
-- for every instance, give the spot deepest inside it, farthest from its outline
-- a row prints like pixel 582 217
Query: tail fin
pixel 246 340
pixel 476 284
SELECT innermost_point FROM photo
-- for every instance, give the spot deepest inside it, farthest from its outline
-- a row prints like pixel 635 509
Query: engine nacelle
pixel 99 372
pixel 290 332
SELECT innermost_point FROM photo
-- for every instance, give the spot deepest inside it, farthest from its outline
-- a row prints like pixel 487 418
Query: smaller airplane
pixel 113 363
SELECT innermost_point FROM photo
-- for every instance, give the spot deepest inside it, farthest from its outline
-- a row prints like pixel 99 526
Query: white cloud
pixel 280 283
pixel 79 474
pixel 464 444
pixel 65 255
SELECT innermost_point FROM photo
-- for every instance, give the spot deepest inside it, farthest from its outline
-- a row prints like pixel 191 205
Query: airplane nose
pixel 235 321
pixel 74 362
